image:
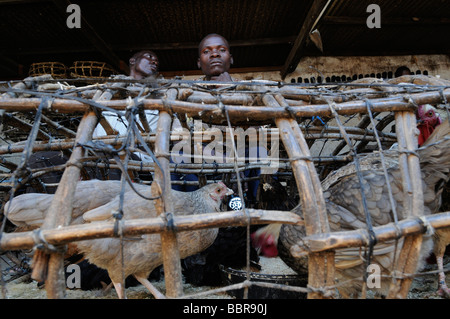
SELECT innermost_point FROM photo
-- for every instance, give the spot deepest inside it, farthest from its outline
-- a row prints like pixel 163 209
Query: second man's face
pixel 215 57
pixel 148 64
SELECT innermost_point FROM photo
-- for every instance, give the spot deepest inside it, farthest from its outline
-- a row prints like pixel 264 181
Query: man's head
pixel 144 64
pixel 214 56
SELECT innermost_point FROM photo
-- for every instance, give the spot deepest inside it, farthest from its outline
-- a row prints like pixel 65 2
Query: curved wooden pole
pixel 320 265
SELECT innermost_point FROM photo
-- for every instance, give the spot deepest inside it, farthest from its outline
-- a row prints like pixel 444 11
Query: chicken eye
pixel 217 190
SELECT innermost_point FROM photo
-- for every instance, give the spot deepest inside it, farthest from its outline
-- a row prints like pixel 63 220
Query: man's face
pixel 147 64
pixel 215 57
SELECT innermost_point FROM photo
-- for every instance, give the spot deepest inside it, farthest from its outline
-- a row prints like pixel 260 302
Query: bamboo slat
pixel 205 136
pixel 311 195
pixel 360 237
pixel 164 205
pixel 50 266
pixel 412 189
pixel 134 227
pixel 239 114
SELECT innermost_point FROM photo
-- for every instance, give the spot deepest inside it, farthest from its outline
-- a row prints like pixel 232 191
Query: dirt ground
pixel 424 286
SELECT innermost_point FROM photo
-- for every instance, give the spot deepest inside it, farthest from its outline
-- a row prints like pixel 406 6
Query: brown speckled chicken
pixel 143 254
pixel 344 205
pixel 427 120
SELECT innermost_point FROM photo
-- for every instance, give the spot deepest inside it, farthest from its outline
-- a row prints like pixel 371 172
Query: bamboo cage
pixel 56 69
pixel 91 69
pixel 313 122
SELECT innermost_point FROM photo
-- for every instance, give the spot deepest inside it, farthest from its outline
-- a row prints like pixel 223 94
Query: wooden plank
pixel 405 123
pixel 296 52
pixel 134 227
pixel 235 112
pixel 164 206
pixel 50 266
pixel 360 237
pixel 311 196
pixel 387 21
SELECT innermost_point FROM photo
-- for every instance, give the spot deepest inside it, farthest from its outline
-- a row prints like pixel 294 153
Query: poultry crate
pixel 56 69
pixel 332 147
pixel 91 69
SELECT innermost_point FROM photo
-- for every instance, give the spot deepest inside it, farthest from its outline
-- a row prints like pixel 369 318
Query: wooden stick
pixel 310 191
pixel 236 112
pixel 230 98
pixel 60 211
pixel 26 84
pixel 255 113
pixel 59 214
pixel 164 205
pixel 360 237
pixel 11 120
pixel 73 233
pixel 322 264
pixel 63 144
pixel 68 133
pixel 413 205
pixel 325 133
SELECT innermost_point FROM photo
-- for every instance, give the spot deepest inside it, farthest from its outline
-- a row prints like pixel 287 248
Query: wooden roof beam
pixel 153 46
pixel 410 21
pixel 314 13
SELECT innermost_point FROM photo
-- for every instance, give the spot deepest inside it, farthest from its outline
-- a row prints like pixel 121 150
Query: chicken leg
pixel 443 289
pixel 441 239
pixel 147 284
pixel 120 291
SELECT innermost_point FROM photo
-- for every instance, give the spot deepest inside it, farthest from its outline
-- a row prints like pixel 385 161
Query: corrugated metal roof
pixel 262 33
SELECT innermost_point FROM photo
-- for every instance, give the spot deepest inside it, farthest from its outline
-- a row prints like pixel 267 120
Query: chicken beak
pixel 229 191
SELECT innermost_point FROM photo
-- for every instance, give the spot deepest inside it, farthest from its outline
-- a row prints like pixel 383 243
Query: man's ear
pixel 231 60
pixel 132 61
pixel 198 63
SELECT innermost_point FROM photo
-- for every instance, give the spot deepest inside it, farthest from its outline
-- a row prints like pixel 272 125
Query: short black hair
pixel 138 55
pixel 209 36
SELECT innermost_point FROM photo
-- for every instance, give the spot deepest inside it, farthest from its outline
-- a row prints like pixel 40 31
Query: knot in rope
pixel 41 244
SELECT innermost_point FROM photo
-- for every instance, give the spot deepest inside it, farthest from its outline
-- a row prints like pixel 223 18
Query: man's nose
pixel 215 53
